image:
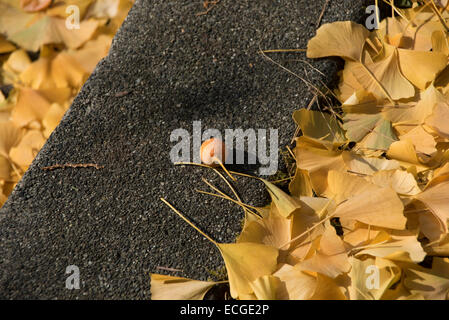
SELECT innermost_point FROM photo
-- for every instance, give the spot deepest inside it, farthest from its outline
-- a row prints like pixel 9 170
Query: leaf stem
pixel 189 222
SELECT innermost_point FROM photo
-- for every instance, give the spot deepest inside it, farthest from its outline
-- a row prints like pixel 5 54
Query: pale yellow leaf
pixel 435 198
pixel 345 39
pixel 245 262
pixel 402 182
pixel 380 207
pixel 285 203
pixel 177 288
pixel 370 278
pixel 25 152
pixel 432 284
pixel 420 67
pixel 327 289
pixel 295 284
pixel 383 77
pixel 266 287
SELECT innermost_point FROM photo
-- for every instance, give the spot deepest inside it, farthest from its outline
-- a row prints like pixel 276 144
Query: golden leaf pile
pixel 44 64
pixel 367 216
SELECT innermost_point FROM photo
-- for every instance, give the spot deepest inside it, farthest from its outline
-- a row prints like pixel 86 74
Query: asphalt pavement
pixel 167 68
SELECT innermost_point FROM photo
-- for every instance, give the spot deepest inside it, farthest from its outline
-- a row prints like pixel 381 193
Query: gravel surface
pixel 167 68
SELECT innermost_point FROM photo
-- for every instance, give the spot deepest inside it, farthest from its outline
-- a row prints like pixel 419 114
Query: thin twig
pixel 168 269
pixel 122 93
pixel 189 222
pixel 209 5
pixel 322 13
pixel 73 165
pixel 307 83
pixel 291 152
pixel 241 204
pixel 284 50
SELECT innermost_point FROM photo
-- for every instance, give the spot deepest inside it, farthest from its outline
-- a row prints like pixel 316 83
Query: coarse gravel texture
pixel 167 68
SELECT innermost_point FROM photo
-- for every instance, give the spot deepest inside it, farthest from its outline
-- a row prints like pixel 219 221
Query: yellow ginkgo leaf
pixel 38 74
pixel 52 118
pixel 330 259
pixel 24 153
pixel 344 39
pixel 295 284
pixel 432 284
pixel 303 249
pixel 381 207
pixel 342 186
pixel 313 209
pixel 177 288
pixel 10 136
pixel 5 168
pixel 266 287
pixel 301 184
pixel 402 182
pixel 313 157
pixel 380 138
pixel 31 106
pixel 383 78
pixel 441 248
pixel 361 235
pixel 13 18
pixel 327 289
pixel 67 68
pixel 115 22
pixel 245 262
pixel 38 29
pixel 60 96
pixel 420 67
pixel 415 112
pixel 435 198
pixel 439 120
pixel 319 125
pixel 395 40
pixel 440 42
pixel 371 130
pixel 418 34
pixel 392 31
pixel 361 101
pixel 429 224
pixel 423 141
pixel 358 125
pixel 348 85
pixel 370 278
pixel 3 198
pixel 6 46
pixel 273 230
pixel 404 151
pixel 66 72
pixel 17 62
pixel 440 174
pixel 285 203
pixel 91 53
pixel 400 292
pixel 398 248
pixel 367 165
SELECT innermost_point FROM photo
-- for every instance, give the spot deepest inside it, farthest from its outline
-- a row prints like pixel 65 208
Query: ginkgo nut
pixel 213 151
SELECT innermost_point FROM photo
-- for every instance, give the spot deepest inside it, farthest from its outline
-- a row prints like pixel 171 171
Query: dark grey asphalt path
pixel 177 68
